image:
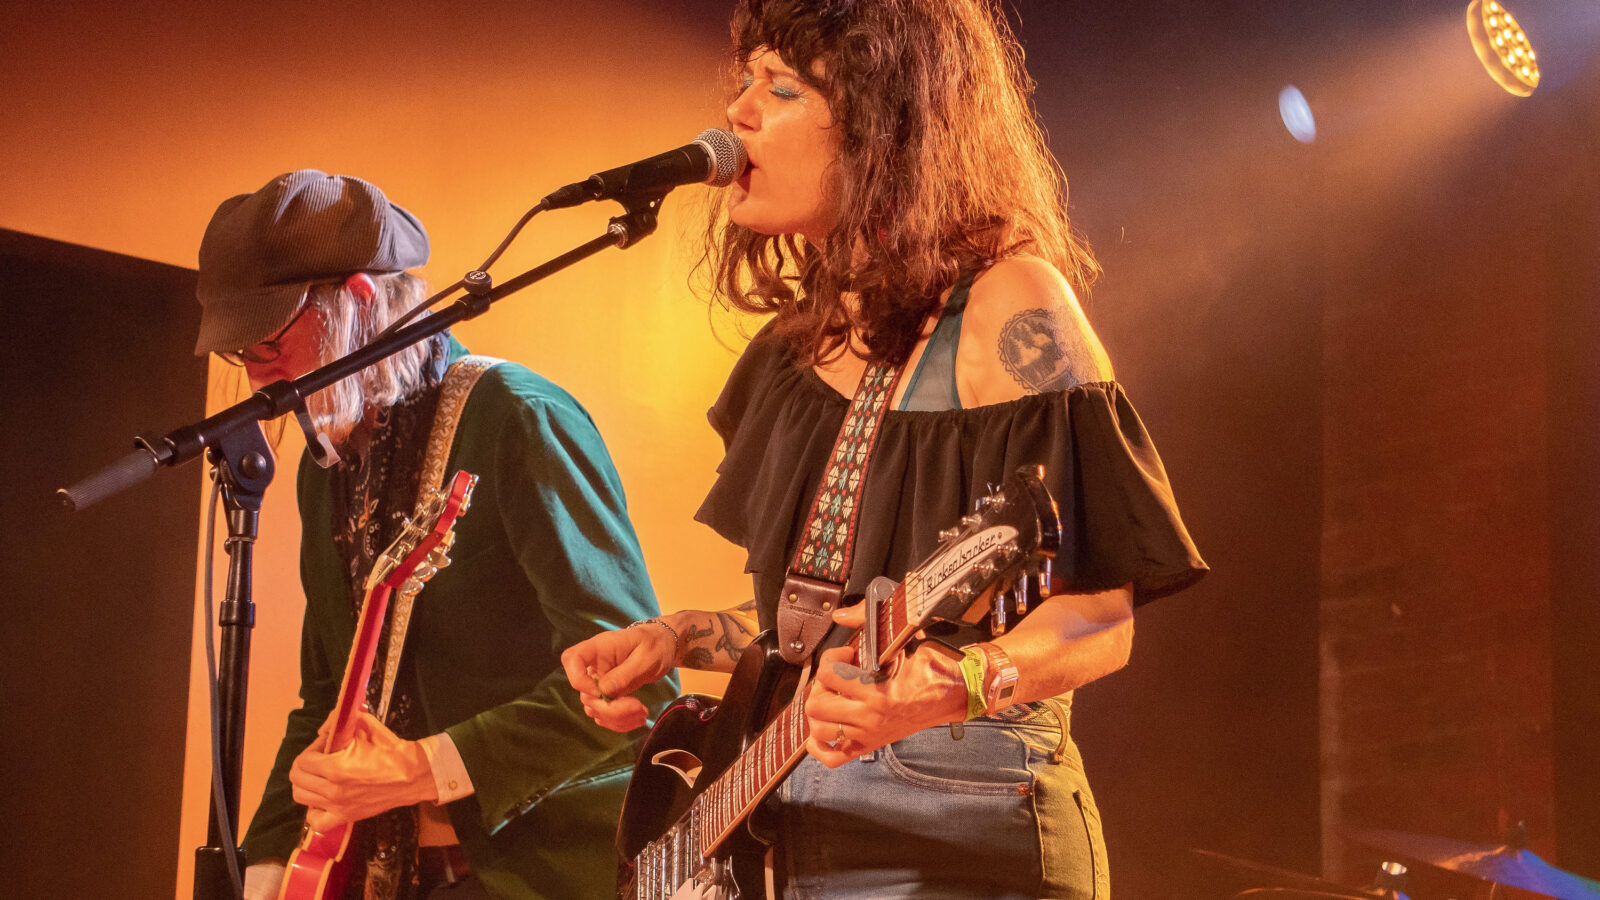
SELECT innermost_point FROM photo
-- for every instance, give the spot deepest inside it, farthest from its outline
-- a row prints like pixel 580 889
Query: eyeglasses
pixel 265 351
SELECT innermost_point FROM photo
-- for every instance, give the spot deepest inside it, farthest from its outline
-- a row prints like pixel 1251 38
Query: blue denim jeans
pixel 992 815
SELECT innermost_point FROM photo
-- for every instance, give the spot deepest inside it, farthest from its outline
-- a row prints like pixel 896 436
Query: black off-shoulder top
pixel 778 421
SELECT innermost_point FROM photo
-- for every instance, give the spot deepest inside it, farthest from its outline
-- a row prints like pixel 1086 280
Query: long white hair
pixel 348 325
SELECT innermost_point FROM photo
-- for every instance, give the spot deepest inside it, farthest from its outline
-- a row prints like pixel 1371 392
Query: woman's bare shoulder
pixel 1024 332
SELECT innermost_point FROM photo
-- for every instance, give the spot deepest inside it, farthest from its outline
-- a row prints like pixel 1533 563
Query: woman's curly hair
pixel 942 166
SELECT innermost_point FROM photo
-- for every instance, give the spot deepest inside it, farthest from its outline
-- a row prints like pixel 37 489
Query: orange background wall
pixel 1375 407
pixel 125 126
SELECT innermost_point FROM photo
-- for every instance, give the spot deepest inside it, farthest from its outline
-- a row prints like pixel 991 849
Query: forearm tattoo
pixel 736 636
pixel 1042 355
pixel 716 640
pixel 696 656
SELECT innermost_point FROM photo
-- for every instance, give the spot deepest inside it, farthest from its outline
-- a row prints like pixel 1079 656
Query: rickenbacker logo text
pixel 940 575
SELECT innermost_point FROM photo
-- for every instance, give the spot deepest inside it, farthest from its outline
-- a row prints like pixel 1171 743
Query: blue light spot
pixel 1296 113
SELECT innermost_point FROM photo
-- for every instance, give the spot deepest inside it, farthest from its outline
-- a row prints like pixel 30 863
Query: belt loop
pixel 1061 721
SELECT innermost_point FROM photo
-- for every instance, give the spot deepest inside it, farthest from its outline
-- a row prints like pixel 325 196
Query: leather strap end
pixel 805 613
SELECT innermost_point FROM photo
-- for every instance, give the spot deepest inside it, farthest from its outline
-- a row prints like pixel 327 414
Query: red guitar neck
pixel 363 652
pixel 318 869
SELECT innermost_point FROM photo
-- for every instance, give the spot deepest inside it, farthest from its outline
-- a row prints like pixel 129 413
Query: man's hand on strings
pixel 376 772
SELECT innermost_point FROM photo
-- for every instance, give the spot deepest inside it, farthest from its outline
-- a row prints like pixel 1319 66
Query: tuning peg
pixel 989 502
pixel 440 554
pixel 1043 576
pixel 971 520
pixel 1019 596
pixel 984 568
pixel 997 618
pixel 1006 552
pixel 963 592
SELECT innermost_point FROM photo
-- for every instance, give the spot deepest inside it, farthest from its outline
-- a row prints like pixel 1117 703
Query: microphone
pixel 715 157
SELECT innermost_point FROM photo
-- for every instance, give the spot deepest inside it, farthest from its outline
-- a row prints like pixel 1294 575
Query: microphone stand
pixel 233 442
pixel 243 464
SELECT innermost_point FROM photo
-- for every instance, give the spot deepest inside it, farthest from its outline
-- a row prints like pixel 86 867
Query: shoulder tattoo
pixel 1040 354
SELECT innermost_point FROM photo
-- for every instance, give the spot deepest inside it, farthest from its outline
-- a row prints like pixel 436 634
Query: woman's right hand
pixel 606 669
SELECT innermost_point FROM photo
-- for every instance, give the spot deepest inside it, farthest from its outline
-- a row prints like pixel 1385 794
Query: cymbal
pixel 1285 878
pixel 1511 866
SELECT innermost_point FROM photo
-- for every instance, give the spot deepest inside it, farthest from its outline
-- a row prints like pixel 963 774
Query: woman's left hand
pixel 849 712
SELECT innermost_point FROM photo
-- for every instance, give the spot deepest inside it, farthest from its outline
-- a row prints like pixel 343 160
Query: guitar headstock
pixel 423 547
pixel 437 558
pixel 998 555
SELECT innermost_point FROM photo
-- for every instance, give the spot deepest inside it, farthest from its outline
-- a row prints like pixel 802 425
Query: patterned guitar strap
pixel 391 860
pixel 821 566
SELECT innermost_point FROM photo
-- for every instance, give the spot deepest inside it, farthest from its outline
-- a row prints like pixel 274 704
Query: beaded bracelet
pixel 670 630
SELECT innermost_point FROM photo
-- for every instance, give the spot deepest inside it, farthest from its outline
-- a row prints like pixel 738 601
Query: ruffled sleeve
pixel 778 421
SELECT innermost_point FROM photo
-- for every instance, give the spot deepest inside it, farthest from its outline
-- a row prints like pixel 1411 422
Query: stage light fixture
pixel 1502 47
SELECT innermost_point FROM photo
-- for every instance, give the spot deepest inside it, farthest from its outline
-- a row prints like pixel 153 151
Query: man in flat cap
pixel 485 779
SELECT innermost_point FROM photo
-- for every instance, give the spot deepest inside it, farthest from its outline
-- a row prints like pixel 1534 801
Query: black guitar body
pixel 714 733
pixel 977 572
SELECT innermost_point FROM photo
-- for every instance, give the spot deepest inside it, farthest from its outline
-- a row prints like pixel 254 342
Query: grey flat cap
pixel 263 250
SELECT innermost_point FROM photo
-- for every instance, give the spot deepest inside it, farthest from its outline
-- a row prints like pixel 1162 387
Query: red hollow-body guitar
pixel 707 765
pixel 318 869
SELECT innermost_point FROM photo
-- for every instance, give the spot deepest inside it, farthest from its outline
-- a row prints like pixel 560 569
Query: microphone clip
pixel 638 220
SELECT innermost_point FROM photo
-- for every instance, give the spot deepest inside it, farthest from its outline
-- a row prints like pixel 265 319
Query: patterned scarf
pixel 373 493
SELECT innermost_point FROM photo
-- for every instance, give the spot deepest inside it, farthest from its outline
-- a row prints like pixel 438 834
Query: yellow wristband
pixel 974 671
pixel 1000 683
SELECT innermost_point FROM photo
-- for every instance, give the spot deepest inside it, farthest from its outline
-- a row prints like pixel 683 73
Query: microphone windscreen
pixel 728 159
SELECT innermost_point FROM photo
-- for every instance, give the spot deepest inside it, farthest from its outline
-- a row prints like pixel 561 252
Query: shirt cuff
pixel 450 776
pixel 262 880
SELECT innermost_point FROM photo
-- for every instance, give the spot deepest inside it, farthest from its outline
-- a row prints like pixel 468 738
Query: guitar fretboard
pixel 778 749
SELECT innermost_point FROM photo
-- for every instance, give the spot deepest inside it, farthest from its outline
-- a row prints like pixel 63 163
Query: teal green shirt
pixel 544 558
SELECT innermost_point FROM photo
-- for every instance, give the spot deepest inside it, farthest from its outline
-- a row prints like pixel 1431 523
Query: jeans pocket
pixel 929 818
pixel 988 760
pixel 1097 851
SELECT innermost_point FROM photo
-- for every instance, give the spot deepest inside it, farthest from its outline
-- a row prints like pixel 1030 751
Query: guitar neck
pixel 768 759
pixel 358 671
